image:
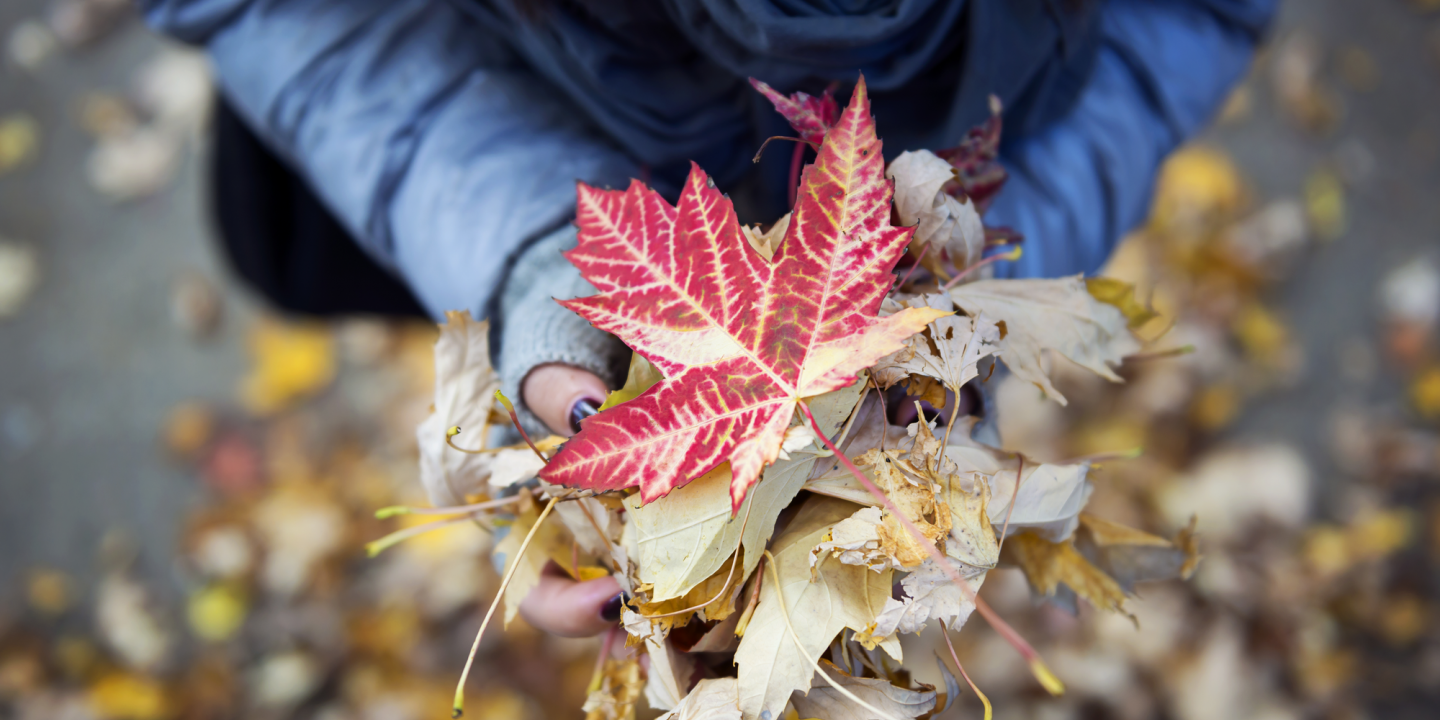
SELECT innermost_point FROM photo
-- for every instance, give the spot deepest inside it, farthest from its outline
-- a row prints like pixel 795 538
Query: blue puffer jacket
pixel 446 135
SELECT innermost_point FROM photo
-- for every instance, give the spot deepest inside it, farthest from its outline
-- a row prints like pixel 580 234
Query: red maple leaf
pixel 739 339
pixel 808 115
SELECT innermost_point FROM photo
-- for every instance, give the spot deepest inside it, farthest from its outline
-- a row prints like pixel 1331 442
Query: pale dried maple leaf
pixel 739 340
pixel 929 594
pixel 465 385
pixel 1057 315
pixel 940 220
pixel 710 699
pixel 950 349
pixel 826 702
pixel 841 596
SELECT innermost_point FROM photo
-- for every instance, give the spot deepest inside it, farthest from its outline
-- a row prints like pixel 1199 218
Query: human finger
pixel 562 606
pixel 563 395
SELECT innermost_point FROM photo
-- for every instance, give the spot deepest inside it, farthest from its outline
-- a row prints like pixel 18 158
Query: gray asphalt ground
pixel 93 362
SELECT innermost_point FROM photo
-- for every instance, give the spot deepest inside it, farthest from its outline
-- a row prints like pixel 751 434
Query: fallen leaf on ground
pixel 19 276
pixel 290 362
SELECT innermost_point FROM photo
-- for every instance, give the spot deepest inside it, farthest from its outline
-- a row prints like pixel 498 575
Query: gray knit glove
pixel 535 330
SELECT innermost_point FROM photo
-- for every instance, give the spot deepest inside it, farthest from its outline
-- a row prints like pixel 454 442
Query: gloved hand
pixel 551 361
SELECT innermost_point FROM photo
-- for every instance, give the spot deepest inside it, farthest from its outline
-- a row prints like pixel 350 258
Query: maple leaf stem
pixel 945 631
pixel 375 547
pixel 455 430
pixel 950 426
pixel 796 160
pixel 599 673
pixel 1005 529
pixel 595 524
pixel 1037 665
pixel 1159 354
pixel 729 577
pixel 1097 458
pixel 394 510
pixel 923 254
pixel 785 613
pixel 1012 255
pixel 756 159
pixel 458 708
pixel 516 419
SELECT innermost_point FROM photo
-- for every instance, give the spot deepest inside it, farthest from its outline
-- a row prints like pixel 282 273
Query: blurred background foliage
pixel 187 479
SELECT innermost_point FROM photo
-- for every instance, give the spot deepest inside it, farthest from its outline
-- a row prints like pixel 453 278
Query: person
pixel 443 138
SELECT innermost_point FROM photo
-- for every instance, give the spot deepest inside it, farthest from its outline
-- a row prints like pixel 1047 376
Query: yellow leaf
pixel 1047 565
pixel 641 377
pixel 1122 295
pixel 1325 203
pixel 49 591
pixel 1425 393
pixel 720 585
pixel 122 696
pixel 1262 333
pixel 291 361
pixel 19 134
pixel 1195 185
pixel 216 612
pixel 620 687
pixel 188 428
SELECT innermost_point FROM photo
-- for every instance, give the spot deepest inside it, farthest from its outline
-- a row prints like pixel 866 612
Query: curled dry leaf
pixel 1058 315
pixel 465 386
pixel 711 699
pixel 668 675
pixel 1050 497
pixel 740 340
pixel 1049 564
pixel 1131 556
pixel 949 350
pixel 875 539
pixel 930 594
pixel 840 596
pixel 940 220
pixel 826 702
pixel 620 686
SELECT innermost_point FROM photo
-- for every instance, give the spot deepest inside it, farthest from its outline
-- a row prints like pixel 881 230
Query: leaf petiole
pixel 458 708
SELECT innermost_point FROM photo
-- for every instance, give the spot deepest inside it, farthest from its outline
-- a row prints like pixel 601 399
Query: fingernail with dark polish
pixel 610 611
pixel 583 408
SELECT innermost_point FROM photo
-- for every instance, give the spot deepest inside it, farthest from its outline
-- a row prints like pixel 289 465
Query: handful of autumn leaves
pixel 757 391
